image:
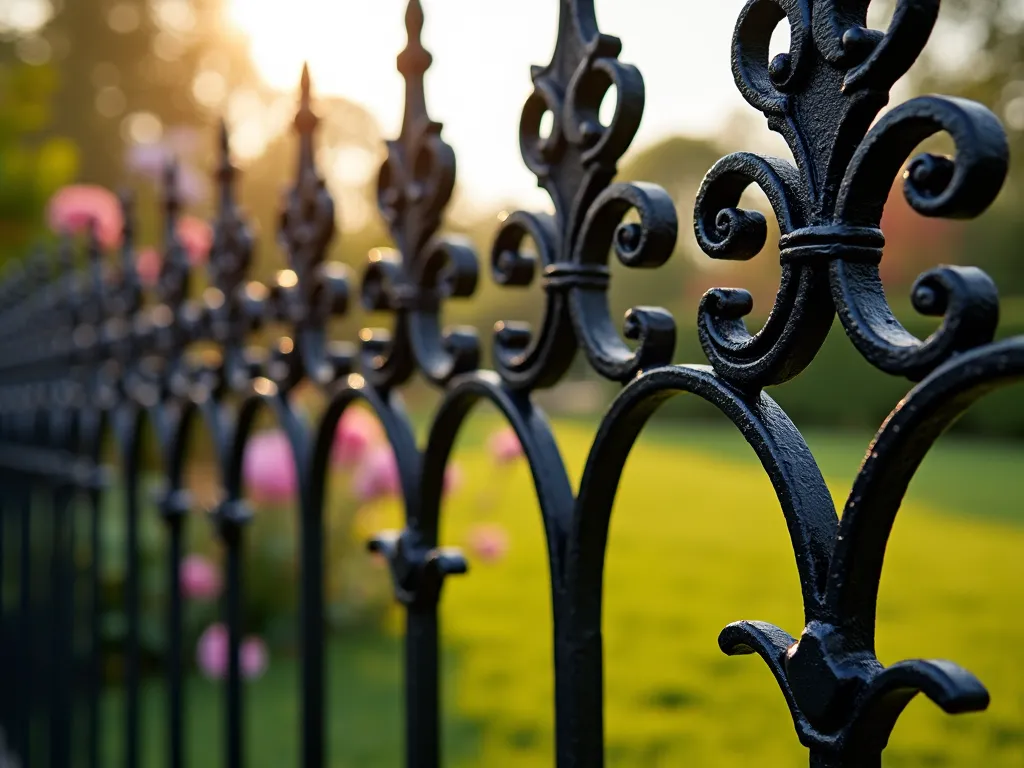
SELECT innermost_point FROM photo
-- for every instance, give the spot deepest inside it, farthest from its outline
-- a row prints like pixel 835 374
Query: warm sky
pixel 483 50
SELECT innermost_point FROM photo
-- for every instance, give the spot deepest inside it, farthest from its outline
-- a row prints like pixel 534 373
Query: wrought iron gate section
pixel 85 355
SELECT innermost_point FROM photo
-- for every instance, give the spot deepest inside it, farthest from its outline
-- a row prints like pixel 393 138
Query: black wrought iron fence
pixel 86 355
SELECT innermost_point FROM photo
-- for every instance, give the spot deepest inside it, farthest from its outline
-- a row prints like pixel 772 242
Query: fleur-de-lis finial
pixel 307 221
pixel 232 241
pixel 414 186
pixel 413 63
pixel 823 96
pixel 172 285
pixel 310 292
pixel 575 161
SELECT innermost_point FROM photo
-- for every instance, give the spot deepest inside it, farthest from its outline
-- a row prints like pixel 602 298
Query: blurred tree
pixel 129 69
pixel 137 81
pixel 32 166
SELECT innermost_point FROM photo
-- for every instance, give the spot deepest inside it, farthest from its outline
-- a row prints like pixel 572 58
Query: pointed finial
pixel 415 59
pixel 225 171
pixel 127 201
pixel 413 62
pixel 414 19
pixel 172 200
pixel 306 122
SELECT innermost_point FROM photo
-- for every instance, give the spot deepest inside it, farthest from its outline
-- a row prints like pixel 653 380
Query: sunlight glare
pixel 350 55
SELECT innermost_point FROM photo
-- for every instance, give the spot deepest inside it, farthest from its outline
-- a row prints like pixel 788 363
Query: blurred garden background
pixel 96 95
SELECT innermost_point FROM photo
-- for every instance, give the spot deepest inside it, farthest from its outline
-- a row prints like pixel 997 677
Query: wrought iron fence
pixel 84 355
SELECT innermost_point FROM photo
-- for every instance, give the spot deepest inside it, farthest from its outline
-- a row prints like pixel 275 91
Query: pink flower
pixel 452 478
pixel 489 542
pixel 148 264
pixel 76 209
pixel 253 657
pixel 504 446
pixel 268 468
pixel 196 238
pixel 212 654
pixel 377 475
pixel 200 579
pixel 357 431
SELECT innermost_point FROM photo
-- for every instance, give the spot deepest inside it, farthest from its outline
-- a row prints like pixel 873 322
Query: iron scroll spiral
pixel 575 163
pixel 84 352
pixel 822 96
pixel 415 185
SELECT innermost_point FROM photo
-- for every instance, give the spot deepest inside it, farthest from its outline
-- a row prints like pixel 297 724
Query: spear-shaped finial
pixel 413 62
pixel 172 198
pixel 126 199
pixel 306 122
pixel 226 172
pixel 414 19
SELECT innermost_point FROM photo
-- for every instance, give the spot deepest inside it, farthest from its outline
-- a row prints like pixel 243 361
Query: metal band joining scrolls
pixel 568 277
pixel 823 245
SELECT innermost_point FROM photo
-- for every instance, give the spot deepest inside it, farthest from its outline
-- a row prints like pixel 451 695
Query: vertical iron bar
pixel 6 633
pixel 175 665
pixel 311 618
pixel 62 629
pixel 132 656
pixel 25 653
pixel 422 702
pixel 233 607
pixel 45 617
pixel 95 670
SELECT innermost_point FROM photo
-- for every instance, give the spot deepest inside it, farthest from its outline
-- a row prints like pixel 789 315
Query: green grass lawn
pixel 697 541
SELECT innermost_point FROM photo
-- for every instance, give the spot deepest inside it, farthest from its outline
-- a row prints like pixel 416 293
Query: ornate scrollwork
pixel 575 162
pixel 233 308
pixel 822 96
pixel 414 187
pixel 844 702
pixel 310 292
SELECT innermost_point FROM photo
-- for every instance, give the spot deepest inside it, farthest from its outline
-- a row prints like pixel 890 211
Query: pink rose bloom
pixel 253 657
pixel 504 446
pixel 268 468
pixel 357 431
pixel 148 263
pixel 196 237
pixel 452 478
pixel 489 542
pixel 377 475
pixel 212 652
pixel 76 209
pixel 200 579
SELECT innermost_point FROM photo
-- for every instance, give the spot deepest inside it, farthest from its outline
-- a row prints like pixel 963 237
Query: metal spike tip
pixel 414 19
pixel 305 83
pixel 225 139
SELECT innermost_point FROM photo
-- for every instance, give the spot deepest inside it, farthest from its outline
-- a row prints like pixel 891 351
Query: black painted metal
pixel 85 356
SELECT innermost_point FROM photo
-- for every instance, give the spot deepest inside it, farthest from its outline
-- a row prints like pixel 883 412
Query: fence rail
pixel 88 355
